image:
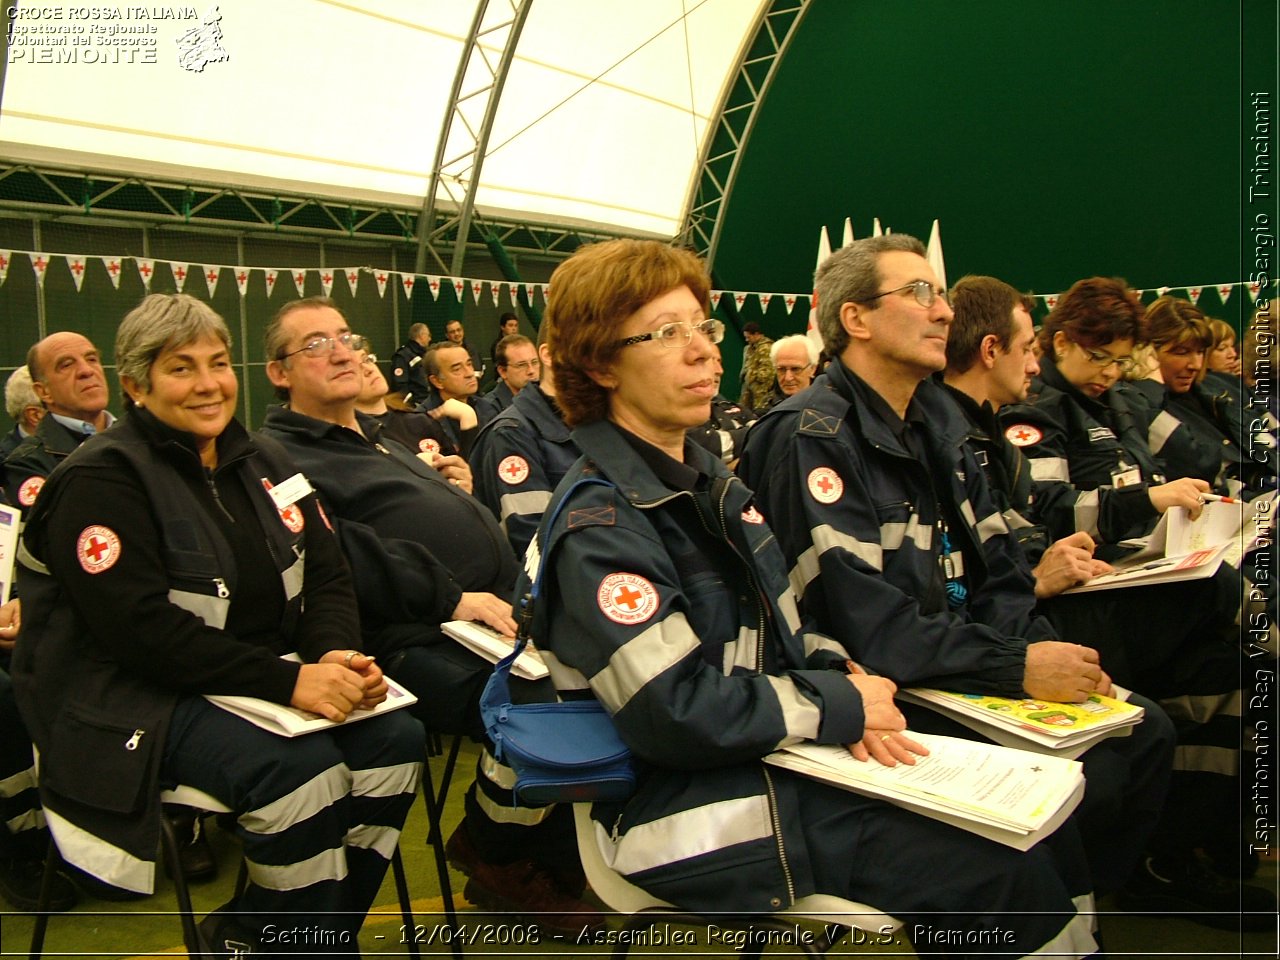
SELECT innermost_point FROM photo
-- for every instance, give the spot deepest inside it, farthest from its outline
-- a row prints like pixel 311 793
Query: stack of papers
pixel 493 646
pixel 1010 796
pixel 1064 729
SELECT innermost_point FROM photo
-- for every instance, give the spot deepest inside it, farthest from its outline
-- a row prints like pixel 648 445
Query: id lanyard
pixel 952 564
pixel 1125 474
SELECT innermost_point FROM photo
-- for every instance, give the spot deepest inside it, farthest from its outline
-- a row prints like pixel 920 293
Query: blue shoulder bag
pixel 565 752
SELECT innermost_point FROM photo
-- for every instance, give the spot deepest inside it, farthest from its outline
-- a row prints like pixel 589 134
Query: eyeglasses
pixel 792 371
pixel 1102 360
pixel 529 365
pixel 925 293
pixel 370 358
pixel 678 333
pixel 323 346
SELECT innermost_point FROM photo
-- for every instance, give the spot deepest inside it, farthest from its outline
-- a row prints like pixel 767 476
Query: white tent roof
pixel 601 119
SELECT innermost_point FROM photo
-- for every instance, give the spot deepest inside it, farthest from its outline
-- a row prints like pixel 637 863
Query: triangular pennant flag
pixel 408 281
pixel 353 280
pixel 76 266
pixel 875 227
pixel 1224 292
pixel 180 274
pixel 4 264
pixel 790 301
pixel 1051 300
pixel 811 329
pixel 496 290
pixel 146 269
pixel 326 281
pixel 934 255
pixel 1193 294
pixel 39 263
pixel 299 281
pixel 739 299
pixel 476 287
pixel 1160 291
pixel 458 287
pixel 764 301
pixel 715 298
pixel 211 276
pixel 242 279
pixel 112 265
pixel 848 232
pixel 270 277
pixel 433 284
pixel 1254 288
pixel 381 278
pixel 1139 293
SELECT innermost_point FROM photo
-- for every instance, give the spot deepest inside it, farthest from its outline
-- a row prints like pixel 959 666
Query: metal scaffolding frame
pixel 461 148
pixel 48 191
pixel 722 148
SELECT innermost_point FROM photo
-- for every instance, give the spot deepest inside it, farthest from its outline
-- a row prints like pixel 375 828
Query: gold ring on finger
pixel 887 736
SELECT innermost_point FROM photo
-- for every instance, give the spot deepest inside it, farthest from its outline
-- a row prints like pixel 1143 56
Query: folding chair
pixel 194 941
pixel 434 799
pixel 643 910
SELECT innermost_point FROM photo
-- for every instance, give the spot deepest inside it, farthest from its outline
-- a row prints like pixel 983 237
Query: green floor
pixel 148 927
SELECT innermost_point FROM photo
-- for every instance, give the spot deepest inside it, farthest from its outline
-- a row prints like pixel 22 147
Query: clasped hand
pixel 334 686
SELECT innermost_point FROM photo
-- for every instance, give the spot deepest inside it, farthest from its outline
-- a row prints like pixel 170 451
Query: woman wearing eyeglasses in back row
pixel 1086 441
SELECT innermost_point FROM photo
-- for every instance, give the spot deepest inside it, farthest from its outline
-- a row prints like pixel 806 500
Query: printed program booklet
pixel 293 722
pixel 1063 729
pixel 1014 797
pixel 493 646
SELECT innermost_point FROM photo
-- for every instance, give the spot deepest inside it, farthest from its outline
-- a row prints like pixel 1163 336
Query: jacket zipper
pixel 774 817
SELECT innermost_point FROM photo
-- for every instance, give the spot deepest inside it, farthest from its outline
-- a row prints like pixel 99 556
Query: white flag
pixel 76 266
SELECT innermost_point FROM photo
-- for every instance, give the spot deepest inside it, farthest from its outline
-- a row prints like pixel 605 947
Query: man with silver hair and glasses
pixel 896 549
pixel 795 358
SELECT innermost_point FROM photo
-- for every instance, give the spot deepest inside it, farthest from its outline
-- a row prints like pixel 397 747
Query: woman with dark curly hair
pixel 1085 438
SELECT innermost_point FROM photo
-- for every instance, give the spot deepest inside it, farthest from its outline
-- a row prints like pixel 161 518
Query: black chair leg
pixel 42 904
pixel 434 802
pixel 406 905
pixel 195 944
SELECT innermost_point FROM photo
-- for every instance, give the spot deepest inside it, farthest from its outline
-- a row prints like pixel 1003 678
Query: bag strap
pixel 496 692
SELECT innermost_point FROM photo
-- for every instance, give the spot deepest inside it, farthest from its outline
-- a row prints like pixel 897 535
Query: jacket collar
pixel 542 412
pixel 313 429
pixel 946 425
pixel 601 442
pixel 234 443
pixel 982 420
pixel 1050 375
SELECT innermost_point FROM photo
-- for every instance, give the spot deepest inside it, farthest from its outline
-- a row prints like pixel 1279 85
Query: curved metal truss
pixel 731 128
pixel 468 120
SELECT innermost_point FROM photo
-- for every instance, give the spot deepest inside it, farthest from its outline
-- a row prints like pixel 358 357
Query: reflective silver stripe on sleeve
pixel 524 504
pixel 292 577
pixel 1161 430
pixel 726 445
pixel 813 642
pixel 1086 512
pixel 643 658
pixel 1015 521
pixel 892 535
pixel 1050 468
pixel 14 784
pixel 967 514
pixel 990 526
pixel 532 560
pixel 687 834
pixel 740 652
pixel 28 560
pixel 506 813
pixel 27 820
pixel 326 865
pixel 302 803
pixel 212 610
pixel 825 537
pixel 790 614
pixel 800 715
pixel 564 678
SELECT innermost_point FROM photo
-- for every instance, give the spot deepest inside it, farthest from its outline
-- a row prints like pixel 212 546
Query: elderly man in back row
pixel 422 551
pixel 896 549
pixel 795 360
pixel 67 376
